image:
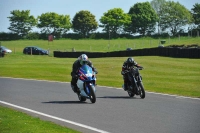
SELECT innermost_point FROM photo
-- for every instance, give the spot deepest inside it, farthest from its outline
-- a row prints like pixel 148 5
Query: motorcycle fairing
pixel 86 78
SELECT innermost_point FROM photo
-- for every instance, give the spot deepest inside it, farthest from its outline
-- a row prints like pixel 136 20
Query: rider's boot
pixel 125 87
pixel 74 87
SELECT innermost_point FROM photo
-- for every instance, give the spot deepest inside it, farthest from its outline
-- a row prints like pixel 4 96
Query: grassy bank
pixel 161 74
pixel 96 45
pixel 180 76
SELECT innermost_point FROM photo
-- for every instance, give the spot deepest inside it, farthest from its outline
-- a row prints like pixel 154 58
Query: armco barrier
pixel 160 51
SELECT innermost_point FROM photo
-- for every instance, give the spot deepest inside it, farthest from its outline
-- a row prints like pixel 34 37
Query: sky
pixel 69 7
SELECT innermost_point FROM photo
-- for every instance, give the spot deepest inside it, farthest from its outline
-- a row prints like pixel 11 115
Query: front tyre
pixel 142 91
pixel 92 94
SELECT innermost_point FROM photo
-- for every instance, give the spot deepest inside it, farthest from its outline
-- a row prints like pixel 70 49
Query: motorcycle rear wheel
pixel 131 91
pixel 81 98
pixel 92 94
pixel 131 94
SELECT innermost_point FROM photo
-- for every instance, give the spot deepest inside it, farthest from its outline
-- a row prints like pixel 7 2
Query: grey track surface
pixel 114 111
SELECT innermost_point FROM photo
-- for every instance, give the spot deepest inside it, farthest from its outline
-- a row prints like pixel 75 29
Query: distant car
pixel 5 50
pixel 161 46
pixel 35 50
pixel 128 49
pixel 2 53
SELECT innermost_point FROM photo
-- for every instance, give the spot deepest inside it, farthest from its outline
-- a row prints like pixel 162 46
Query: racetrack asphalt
pixel 113 112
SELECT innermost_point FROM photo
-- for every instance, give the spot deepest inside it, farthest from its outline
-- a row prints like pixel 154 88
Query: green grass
pixel 179 76
pixel 161 74
pixel 12 121
pixel 96 45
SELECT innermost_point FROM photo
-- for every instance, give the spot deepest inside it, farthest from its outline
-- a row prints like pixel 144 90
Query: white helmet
pixel 83 59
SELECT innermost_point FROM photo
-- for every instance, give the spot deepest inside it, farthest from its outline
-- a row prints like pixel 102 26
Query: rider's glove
pixel 140 67
pixel 124 72
pixel 75 76
pixel 95 70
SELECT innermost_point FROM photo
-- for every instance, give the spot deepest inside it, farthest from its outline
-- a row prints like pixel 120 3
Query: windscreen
pixel 86 70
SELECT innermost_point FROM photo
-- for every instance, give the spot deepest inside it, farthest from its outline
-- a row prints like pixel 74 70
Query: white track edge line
pixel 54 117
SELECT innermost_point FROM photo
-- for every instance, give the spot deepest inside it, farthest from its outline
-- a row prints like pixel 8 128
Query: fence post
pixel 0 50
pixel 48 52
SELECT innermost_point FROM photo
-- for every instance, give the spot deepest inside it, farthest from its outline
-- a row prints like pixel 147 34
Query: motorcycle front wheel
pixel 142 92
pixel 92 94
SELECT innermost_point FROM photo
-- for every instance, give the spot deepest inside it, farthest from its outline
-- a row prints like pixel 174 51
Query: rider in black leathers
pixel 83 59
pixel 127 65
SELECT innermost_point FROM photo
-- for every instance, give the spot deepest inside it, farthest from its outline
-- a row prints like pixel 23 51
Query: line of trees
pixel 143 18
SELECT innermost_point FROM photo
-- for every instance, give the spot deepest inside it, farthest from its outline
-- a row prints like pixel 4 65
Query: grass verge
pixel 178 76
pixel 12 121
pixel 161 74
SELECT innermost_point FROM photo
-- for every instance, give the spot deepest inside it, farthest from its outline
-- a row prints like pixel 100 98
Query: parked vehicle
pixel 135 85
pixel 128 49
pixel 86 84
pixel 5 50
pixel 35 50
pixel 2 53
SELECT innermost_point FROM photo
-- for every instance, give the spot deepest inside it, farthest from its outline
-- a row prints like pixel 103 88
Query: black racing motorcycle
pixel 135 85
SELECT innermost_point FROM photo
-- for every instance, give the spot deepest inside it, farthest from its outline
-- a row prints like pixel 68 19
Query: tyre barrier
pixel 160 51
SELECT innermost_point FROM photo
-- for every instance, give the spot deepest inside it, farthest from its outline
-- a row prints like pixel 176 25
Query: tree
pixel 174 17
pixel 21 22
pixel 114 21
pixel 196 14
pixel 84 22
pixel 143 18
pixel 157 6
pixel 53 23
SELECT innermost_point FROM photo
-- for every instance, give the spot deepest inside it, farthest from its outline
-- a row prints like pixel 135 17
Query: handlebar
pixel 139 68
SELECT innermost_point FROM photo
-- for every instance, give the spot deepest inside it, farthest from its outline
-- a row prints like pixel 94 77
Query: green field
pixel 161 74
pixel 97 45
pixel 179 76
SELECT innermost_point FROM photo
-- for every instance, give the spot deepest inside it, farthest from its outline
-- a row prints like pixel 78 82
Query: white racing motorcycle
pixel 86 84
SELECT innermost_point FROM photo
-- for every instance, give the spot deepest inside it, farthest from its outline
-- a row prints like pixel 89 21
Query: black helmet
pixel 130 61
